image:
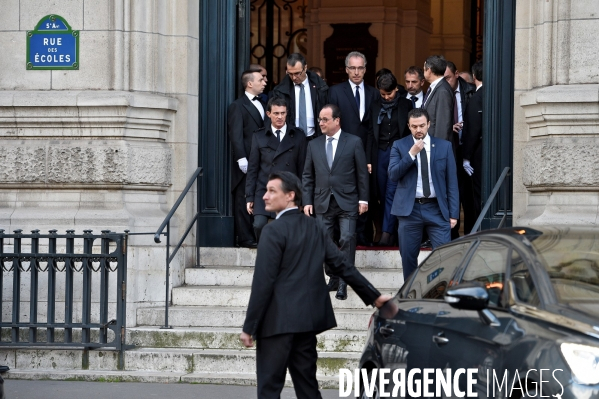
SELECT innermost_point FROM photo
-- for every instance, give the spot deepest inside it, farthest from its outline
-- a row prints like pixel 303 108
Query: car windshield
pixel 572 262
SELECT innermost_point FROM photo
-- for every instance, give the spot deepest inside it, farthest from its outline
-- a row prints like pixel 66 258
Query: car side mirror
pixel 468 296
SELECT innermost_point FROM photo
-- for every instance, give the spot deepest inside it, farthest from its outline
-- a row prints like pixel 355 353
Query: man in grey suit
pixel 335 181
pixel 439 98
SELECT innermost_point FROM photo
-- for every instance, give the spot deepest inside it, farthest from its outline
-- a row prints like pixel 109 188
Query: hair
pixel 477 71
pixel 277 101
pixel 414 70
pixel 354 54
pixel 437 64
pixel 452 67
pixel 386 82
pixel 246 77
pixel 334 109
pixel 468 77
pixel 294 58
pixel 316 70
pixel 417 113
pixel 256 68
pixel 379 73
pixel 289 182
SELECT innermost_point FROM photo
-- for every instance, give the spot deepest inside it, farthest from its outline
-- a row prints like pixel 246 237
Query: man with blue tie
pixel 414 81
pixel 427 195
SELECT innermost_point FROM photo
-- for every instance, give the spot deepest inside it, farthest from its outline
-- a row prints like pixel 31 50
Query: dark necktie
pixel 358 98
pixel 455 108
pixel 428 92
pixel 303 121
pixel 278 132
pixel 330 151
pixel 426 187
pixel 414 99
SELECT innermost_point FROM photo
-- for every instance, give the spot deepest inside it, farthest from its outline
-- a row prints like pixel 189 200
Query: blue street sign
pixel 52 45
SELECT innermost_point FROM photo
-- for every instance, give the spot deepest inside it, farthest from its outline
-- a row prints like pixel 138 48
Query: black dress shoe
pixel 426 244
pixel 342 291
pixel 333 284
pixel 248 244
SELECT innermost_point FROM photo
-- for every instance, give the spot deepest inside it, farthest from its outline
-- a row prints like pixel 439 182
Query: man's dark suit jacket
pixel 342 96
pixel 473 129
pixel 268 155
pixel 318 92
pixel 347 179
pixel 404 170
pixel 289 292
pixel 372 145
pixel 467 90
pixel 439 105
pixel 243 119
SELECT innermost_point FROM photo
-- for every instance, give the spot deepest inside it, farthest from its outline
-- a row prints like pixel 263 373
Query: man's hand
pixel 243 164
pixel 363 208
pixel 417 147
pixel 308 209
pixel 453 222
pixel 457 127
pixel 369 166
pixel 380 301
pixel 250 207
pixel 467 167
pixel 246 339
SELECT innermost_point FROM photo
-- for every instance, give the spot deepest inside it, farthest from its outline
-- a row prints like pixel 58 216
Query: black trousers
pixel 244 230
pixel 335 216
pixel 276 354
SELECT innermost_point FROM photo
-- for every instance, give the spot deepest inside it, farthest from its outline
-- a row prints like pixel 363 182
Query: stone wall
pixel 108 146
pixel 556 124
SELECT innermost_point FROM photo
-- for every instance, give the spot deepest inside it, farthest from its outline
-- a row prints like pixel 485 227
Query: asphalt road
pixel 25 389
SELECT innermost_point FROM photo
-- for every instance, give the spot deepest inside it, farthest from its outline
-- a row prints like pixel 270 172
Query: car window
pixel 488 265
pixel 526 291
pixel 434 275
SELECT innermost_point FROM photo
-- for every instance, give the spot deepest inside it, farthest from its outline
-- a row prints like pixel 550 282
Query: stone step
pixel 335 340
pixel 160 360
pixel 242 276
pixel 371 258
pixel 214 316
pixel 193 295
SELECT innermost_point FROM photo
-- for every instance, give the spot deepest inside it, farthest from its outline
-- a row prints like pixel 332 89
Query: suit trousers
pixel 259 222
pixel 243 220
pixel 424 216
pixel 276 354
pixel 347 228
pixel 387 189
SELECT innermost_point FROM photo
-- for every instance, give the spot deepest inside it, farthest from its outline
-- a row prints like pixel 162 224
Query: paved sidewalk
pixel 27 389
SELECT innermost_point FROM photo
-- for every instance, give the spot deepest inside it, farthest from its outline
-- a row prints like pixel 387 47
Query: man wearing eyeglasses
pixel 335 182
pixel 305 94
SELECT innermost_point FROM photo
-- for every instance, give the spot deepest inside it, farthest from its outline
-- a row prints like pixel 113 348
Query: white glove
pixel 469 169
pixel 243 164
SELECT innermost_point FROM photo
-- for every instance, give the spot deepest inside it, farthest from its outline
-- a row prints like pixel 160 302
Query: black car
pixel 516 308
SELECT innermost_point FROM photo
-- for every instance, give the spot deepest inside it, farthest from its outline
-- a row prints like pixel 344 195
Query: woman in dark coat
pixel 389 122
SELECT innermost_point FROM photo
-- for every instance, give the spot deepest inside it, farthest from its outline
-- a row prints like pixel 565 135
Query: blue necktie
pixel 330 151
pixel 358 98
pixel 414 99
pixel 303 121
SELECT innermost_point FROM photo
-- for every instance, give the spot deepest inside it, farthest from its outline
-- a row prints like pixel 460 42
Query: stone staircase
pixel 206 315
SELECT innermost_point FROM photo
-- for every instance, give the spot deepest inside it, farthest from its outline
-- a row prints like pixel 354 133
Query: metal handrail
pixel 504 174
pixel 166 224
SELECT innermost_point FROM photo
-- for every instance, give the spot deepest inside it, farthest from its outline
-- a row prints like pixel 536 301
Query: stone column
pixel 556 128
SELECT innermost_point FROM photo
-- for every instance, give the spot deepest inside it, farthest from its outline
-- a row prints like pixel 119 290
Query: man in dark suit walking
pixel 439 99
pixel 275 148
pixel 354 99
pixel 472 147
pixel 427 190
pixel 305 94
pixel 335 181
pixel 290 304
pixel 244 117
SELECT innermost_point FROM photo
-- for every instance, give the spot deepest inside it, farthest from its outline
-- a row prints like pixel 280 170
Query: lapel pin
pixel 433 145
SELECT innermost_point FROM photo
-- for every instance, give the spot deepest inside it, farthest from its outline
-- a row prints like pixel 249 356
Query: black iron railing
pixel 167 223
pixel 58 258
pixel 506 172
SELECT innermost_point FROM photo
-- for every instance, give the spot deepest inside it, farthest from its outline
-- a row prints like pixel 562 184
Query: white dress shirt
pixel 283 131
pixel 458 100
pixel 256 103
pixel 419 98
pixel 427 147
pixel 285 210
pixel 362 96
pixel 309 109
pixel 432 87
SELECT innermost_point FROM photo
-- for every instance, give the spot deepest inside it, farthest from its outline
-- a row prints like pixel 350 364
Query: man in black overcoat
pixel 290 304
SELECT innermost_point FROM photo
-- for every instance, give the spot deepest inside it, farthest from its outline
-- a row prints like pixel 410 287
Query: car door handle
pixel 439 339
pixel 386 331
